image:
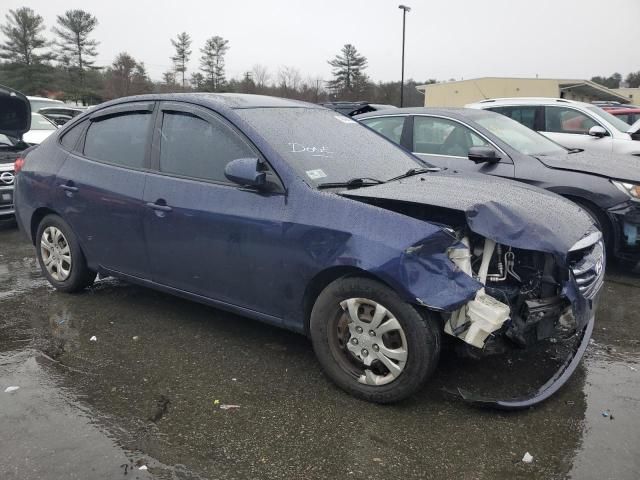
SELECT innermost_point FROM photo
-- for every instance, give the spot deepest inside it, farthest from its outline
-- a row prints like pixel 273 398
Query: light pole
pixel 404 9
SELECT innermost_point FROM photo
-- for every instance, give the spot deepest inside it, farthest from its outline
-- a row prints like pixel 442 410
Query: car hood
pixel 619 167
pixel 15 113
pixel 510 213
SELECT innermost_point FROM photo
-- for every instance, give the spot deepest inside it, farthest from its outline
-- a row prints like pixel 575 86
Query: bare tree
pixel 289 79
pixel 261 76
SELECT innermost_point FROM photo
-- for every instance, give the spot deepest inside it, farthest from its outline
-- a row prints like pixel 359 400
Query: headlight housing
pixel 629 188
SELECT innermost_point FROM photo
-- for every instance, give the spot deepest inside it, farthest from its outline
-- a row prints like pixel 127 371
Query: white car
pixel 41 128
pixel 571 124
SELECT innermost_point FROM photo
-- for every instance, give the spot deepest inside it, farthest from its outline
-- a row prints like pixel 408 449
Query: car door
pixel 570 128
pixel 101 183
pixel 206 235
pixel 445 142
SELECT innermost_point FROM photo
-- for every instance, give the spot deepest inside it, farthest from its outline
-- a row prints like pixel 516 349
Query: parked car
pixel 60 115
pixel 38 103
pixel 569 123
pixel 15 119
pixel 607 187
pixel 41 128
pixel 627 115
pixel 289 213
pixel 355 108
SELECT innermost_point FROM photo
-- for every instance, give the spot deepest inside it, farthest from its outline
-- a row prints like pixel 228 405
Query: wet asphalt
pixel 149 392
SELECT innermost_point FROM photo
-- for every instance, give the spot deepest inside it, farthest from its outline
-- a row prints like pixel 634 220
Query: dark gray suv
pixel 606 186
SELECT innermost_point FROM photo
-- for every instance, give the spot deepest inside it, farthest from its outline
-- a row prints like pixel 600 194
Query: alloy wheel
pixel 56 253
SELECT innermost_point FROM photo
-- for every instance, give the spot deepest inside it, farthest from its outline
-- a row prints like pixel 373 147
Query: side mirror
pixel 483 155
pixel 246 172
pixel 597 131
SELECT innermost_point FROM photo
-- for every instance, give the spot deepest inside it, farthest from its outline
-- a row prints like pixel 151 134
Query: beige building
pixel 459 93
pixel 633 94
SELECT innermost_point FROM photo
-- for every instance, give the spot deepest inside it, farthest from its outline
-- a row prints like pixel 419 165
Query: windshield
pixel 325 147
pixel 519 137
pixel 38 122
pixel 615 122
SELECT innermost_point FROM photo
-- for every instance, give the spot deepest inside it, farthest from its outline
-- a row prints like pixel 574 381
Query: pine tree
pixel 22 49
pixel 348 71
pixel 212 62
pixel 74 29
pixel 182 44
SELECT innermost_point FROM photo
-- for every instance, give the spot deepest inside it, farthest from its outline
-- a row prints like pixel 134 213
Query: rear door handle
pixel 69 188
pixel 161 208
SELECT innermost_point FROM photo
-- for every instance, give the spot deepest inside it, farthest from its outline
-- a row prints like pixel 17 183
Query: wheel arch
pixel 596 210
pixel 36 218
pixel 322 279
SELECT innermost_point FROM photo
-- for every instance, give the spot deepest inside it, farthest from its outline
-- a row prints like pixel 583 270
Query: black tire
pixel 421 332
pixel 80 276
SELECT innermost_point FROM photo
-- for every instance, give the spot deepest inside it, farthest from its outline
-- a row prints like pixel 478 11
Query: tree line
pixel 614 80
pixel 64 67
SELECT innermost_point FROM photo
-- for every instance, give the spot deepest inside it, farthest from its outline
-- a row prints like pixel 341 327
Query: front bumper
pixel 555 383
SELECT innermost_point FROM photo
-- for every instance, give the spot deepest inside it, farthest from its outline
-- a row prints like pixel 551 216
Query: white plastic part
pixel 528 458
pixel 11 389
pixel 484 314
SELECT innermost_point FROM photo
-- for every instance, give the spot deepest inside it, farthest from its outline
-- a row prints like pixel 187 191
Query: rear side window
pixel 390 127
pixel 121 139
pixel 193 147
pixel 70 138
pixel 567 120
pixel 524 115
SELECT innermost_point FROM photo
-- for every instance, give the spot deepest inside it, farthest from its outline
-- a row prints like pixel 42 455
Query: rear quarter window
pixel 70 138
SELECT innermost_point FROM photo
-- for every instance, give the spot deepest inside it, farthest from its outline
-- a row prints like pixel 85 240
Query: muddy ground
pixel 148 393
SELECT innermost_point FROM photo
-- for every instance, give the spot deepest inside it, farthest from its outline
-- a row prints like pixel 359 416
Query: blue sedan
pixel 298 216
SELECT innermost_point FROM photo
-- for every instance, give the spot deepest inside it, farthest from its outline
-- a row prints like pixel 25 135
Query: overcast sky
pixel 445 38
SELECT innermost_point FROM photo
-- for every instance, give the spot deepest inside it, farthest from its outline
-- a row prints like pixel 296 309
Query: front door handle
pixel 69 188
pixel 161 208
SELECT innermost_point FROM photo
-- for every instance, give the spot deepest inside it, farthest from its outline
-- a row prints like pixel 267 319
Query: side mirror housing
pixel 483 155
pixel 246 172
pixel 597 131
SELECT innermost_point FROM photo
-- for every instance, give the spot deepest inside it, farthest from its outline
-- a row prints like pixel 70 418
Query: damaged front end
pixel 526 297
pixel 517 266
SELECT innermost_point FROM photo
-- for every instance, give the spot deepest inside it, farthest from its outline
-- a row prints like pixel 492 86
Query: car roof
pixel 225 100
pixel 53 100
pixel 453 112
pixel 526 101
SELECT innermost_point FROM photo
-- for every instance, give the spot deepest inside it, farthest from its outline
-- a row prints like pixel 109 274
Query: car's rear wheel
pixel 370 342
pixel 61 257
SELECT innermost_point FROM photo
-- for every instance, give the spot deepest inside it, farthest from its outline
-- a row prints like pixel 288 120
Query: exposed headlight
pixel 629 188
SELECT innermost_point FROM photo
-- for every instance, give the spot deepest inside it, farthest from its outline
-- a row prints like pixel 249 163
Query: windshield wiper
pixel 415 171
pixel 352 183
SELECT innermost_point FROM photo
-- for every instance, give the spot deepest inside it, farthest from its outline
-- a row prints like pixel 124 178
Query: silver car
pixel 571 124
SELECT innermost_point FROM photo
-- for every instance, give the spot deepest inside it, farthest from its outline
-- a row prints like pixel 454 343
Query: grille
pixel 587 266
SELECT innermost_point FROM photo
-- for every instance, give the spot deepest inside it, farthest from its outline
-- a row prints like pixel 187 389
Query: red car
pixel 629 115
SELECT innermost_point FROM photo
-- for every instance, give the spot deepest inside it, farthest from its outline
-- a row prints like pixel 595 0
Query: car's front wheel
pixel 60 256
pixel 370 342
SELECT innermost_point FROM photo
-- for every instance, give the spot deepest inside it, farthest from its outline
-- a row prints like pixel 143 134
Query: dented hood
pixel 508 212
pixel 618 167
pixel 15 113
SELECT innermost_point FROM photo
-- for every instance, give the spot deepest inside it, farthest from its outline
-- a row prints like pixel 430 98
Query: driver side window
pixel 567 120
pixel 439 136
pixel 196 148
